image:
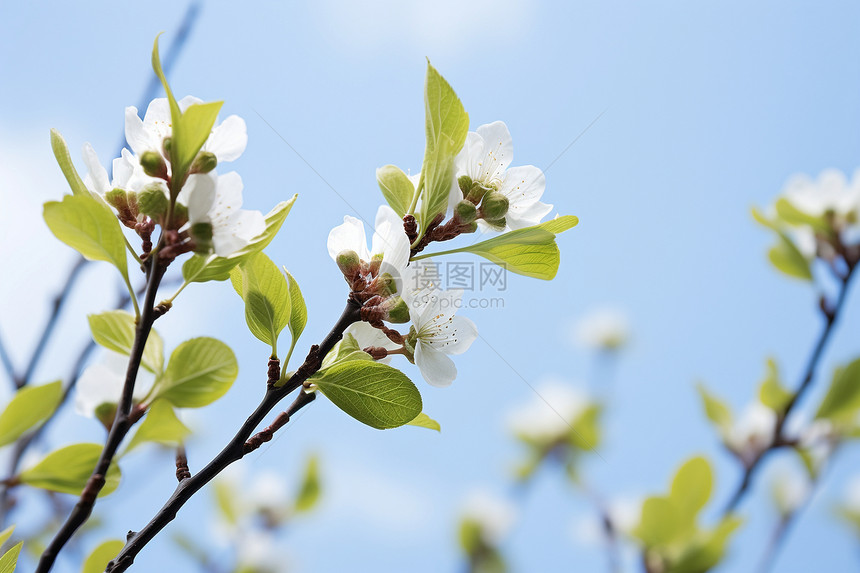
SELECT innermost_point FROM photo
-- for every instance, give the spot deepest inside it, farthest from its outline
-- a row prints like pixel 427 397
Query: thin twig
pixel 238 446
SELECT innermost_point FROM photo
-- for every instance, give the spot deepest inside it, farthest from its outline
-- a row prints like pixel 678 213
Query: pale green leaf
pixel 344 351
pixel 202 268
pixel 64 159
pixel 794 216
pixel 116 329
pixel 707 550
pixel 788 259
pixel 6 534
pixel 691 488
pixel 226 501
pixel 98 560
pixel 9 561
pixel 309 491
pixel 396 188
pixel 90 227
pixel 446 126
pixel 715 409
pixel 264 288
pixel 842 400
pixel 67 470
pixel 197 121
pixel 298 308
pixel 161 425
pixel 772 393
pixel 422 420
pixel 200 371
pixel 371 392
pixel 659 524
pixel 29 407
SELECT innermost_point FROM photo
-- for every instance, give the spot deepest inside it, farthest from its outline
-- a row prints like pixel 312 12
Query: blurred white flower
pixel 791 488
pixel 550 415
pixel 494 515
pixel 753 431
pixel 102 382
pixel 269 489
pixel 851 499
pixel 602 329
pixel 259 552
pixel 486 158
pixel 818 439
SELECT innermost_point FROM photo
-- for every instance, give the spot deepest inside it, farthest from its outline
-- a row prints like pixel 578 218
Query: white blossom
pixel 551 414
pixel 494 515
pixel 753 431
pixel 102 383
pixel 791 489
pixel 96 179
pixel 603 329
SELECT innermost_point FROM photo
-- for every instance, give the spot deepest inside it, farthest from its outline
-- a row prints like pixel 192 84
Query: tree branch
pixel 242 443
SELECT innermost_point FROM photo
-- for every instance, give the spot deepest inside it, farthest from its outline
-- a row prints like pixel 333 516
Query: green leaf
pixel 396 188
pixel 371 392
pixel 64 159
pixel 309 492
pixel 794 216
pixel 226 501
pixel 90 227
pixel 29 407
pixel 67 470
pixel 344 351
pixel 197 121
pixel 264 288
pixel 200 268
pixel 422 420
pixel 6 534
pixel 98 560
pixel 585 429
pixel 788 259
pixel 762 220
pixel 772 393
pixel 715 409
pixel 161 425
pixel 298 309
pixel 446 126
pixel 691 489
pixel 660 523
pixel 707 550
pixel 116 329
pixel 175 114
pixel 9 561
pixel 531 251
pixel 200 371
pixel 842 400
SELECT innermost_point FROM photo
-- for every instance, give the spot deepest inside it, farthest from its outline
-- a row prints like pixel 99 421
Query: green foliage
pixel 226 501
pixel 6 534
pixel 310 489
pixel 396 188
pixel 67 470
pixel 371 392
pixel 422 420
pixel 772 393
pixel 9 561
pixel 483 558
pixel 203 268
pixel 786 257
pixel 116 329
pixel 585 429
pixel 161 425
pixel 266 293
pixel 97 561
pixel 344 351
pixel 842 400
pixel 794 216
pixel 531 251
pixel 200 371
pixel 446 126
pixel 298 311
pixel 64 159
pixel 715 409
pixel 691 489
pixel 89 226
pixel 29 407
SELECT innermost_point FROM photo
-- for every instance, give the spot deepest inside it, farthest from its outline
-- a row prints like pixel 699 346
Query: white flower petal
pixel 97 173
pixel 436 368
pixel 229 139
pixel 198 195
pixel 349 236
pixel 463 334
pixel 497 153
pixel 137 137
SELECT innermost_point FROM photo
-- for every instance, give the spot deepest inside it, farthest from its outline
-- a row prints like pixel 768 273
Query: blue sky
pixel 707 108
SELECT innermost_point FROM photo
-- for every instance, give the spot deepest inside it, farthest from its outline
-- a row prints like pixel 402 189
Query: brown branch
pixel 238 446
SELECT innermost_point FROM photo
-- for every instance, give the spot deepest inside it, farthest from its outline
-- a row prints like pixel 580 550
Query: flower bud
pixel 497 224
pixel 466 212
pixel 469 228
pixel 204 162
pixel 153 164
pixel 152 202
pixel 494 206
pixel 375 264
pixel 398 311
pixel 349 264
pixel 477 192
pixel 166 145
pixel 125 204
pixel 465 184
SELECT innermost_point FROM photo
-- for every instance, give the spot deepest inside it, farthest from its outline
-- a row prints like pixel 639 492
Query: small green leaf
pixel 200 268
pixel 266 293
pixel 309 492
pixel 9 561
pixel 585 429
pixel 200 371
pixel 446 126
pixel 691 488
pixel 794 216
pixel 298 308
pixel 88 226
pixel 29 407
pixel 116 329
pixel 98 560
pixel 660 523
pixel 788 259
pixel 6 534
pixel 396 188
pixel 67 470
pixel 344 351
pixel 197 121
pixel 762 220
pixel 161 425
pixel 715 409
pixel 531 251
pixel 422 420
pixel 708 548
pixel 226 501
pixel 772 393
pixel 371 392
pixel 64 159
pixel 842 400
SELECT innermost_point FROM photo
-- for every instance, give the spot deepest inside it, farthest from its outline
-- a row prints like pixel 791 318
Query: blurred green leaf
pixel 396 188
pixel 446 125
pixel 371 392
pixel 842 400
pixel 9 561
pixel 422 420
pixel 715 409
pixel 772 393
pixel 6 534
pixel 794 216
pixel 264 288
pixel 161 425
pixel 707 550
pixel 659 524
pixel 786 257
pixel 225 498
pixel 64 159
pixel 29 407
pixel 90 227
pixel 203 268
pixel 309 492
pixel 691 489
pixel 116 329
pixel 98 560
pixel 585 429
pixel 200 371
pixel 67 470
